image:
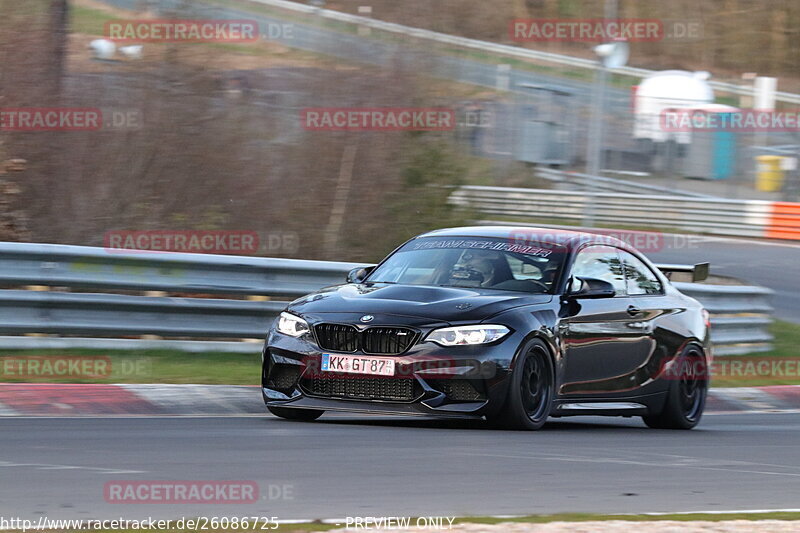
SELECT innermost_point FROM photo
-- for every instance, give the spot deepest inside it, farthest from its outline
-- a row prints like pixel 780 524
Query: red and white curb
pixel 34 399
pixel 774 398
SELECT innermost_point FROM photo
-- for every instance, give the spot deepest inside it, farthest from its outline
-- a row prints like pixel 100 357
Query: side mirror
pixel 359 274
pixel 590 288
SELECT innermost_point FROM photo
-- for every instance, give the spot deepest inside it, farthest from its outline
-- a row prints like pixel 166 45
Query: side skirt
pixel 635 406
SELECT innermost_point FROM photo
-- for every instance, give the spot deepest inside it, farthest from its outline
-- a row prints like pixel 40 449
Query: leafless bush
pixel 225 149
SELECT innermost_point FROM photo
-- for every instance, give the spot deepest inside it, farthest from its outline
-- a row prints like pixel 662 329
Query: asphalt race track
pixel 771 264
pixel 366 466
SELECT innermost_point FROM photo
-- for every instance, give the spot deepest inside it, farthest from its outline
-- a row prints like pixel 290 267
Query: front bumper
pixel 465 381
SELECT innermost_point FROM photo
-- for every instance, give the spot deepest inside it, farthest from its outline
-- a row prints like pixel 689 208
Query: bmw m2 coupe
pixel 511 324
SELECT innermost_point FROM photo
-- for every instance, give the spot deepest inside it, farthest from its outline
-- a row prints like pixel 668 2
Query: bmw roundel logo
pixel 367 318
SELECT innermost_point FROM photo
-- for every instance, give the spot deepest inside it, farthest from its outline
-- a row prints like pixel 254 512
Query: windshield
pixel 499 264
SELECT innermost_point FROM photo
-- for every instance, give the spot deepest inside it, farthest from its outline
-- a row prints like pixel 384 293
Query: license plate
pixel 353 364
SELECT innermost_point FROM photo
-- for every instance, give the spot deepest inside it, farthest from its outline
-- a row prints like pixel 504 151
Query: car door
pixel 649 301
pixel 603 343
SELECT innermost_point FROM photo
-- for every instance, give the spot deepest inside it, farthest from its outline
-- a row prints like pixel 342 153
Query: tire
pixel 531 390
pixel 686 397
pixel 301 415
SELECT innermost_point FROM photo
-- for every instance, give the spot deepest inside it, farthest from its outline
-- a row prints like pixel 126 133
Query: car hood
pixel 441 304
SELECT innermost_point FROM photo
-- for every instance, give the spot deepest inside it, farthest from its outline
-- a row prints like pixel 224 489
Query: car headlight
pixel 467 335
pixel 292 325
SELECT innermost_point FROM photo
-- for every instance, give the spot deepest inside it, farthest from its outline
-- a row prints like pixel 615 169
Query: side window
pixel 600 262
pixel 523 270
pixel 640 279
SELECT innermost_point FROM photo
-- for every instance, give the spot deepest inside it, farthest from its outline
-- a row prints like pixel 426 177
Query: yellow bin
pixel 769 176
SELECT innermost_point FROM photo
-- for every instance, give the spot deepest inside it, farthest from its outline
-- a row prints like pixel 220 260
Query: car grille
pixel 374 340
pixel 460 390
pixel 387 341
pixel 389 389
pixel 337 337
pixel 283 377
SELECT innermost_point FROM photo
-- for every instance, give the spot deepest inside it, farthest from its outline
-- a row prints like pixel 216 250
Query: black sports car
pixel 511 324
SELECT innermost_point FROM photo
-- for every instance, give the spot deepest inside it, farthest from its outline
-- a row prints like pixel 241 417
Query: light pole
pixel 59 15
pixel 610 55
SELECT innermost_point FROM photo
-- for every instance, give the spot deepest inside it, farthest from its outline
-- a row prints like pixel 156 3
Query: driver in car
pixel 484 263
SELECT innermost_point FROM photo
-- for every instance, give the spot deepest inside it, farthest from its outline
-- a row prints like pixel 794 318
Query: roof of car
pixel 526 234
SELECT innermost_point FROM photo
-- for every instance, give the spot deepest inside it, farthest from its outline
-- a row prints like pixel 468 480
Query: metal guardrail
pixel 85 267
pixel 718 216
pixel 740 314
pixel 499 49
pixel 123 315
pixel 80 268
pixel 604 184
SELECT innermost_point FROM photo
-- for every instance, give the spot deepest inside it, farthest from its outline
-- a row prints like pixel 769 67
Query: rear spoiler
pixel 699 271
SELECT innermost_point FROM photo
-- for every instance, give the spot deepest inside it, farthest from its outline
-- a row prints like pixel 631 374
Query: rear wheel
pixel 686 398
pixel 530 395
pixel 302 415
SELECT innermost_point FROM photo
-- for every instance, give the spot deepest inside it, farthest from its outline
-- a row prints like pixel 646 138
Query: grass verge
pixel 145 366
pixel 574 517
pixel 91 21
pixel 786 346
pixel 680 517
pixel 165 366
pixel 787 339
pixel 88 20
pixel 532 519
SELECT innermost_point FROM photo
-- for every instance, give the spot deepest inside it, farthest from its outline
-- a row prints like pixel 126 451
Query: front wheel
pixel 686 398
pixel 530 395
pixel 302 415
